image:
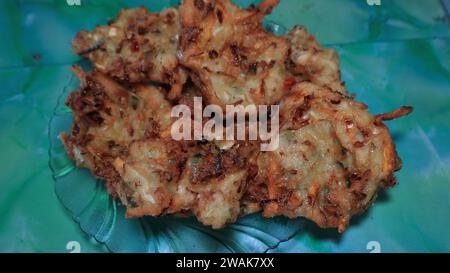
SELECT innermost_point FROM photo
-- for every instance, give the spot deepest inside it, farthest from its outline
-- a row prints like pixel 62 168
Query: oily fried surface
pixel 332 159
pixel 333 156
pixel 231 58
pixel 137 46
pixel 122 134
pixel 108 117
pixel 213 182
pixel 308 60
pixel 158 179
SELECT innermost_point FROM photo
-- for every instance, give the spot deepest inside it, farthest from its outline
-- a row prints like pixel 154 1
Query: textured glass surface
pixel 394 54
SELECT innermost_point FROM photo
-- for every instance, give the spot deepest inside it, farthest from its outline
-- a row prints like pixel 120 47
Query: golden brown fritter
pixel 138 46
pixel 231 58
pixel 164 177
pixel 108 117
pixel 309 61
pixel 122 134
pixel 333 155
pixel 332 159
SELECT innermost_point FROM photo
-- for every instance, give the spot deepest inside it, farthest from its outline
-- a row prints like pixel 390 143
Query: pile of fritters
pixel 333 155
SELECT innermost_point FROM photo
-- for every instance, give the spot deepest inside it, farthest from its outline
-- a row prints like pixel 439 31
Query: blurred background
pixel 392 54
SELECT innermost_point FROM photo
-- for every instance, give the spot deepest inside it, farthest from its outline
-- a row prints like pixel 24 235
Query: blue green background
pixel 391 55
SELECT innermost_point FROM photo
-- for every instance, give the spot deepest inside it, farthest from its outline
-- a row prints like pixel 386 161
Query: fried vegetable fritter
pixel 309 61
pixel 159 180
pixel 138 46
pixel 122 134
pixel 213 182
pixel 231 58
pixel 108 117
pixel 333 155
pixel 332 159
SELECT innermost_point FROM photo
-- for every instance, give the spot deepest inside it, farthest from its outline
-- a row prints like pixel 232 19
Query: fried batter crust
pixel 333 158
pixel 138 46
pixel 108 117
pixel 229 54
pixel 333 155
pixel 309 61
pixel 122 134
pixel 163 177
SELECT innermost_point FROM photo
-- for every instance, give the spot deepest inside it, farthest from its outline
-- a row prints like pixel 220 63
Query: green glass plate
pixel 394 54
